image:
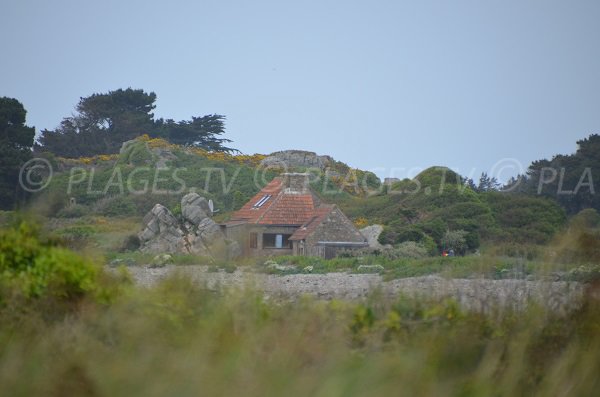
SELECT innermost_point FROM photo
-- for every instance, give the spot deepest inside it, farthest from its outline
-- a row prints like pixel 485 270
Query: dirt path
pixel 472 294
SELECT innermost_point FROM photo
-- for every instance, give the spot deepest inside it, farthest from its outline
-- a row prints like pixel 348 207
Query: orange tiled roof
pixel 251 215
pixel 280 208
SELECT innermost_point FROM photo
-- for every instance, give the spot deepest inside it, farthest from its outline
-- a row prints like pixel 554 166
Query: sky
pixel 388 86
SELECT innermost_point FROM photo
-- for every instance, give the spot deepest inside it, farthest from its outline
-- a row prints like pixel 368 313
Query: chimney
pixel 294 182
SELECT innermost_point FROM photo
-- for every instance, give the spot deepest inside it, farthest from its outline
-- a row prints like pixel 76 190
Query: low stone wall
pixel 471 294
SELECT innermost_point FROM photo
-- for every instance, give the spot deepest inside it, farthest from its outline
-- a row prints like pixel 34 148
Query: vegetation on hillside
pixel 132 182
pixel 438 201
pixel 438 210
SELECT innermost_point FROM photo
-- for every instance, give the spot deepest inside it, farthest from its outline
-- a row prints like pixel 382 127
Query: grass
pixel 86 332
pixel 97 233
pixel 180 339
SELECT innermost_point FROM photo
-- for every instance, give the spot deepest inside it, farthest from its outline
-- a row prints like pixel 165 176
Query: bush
pixel 408 249
pixel 587 218
pixel 131 243
pixel 456 240
pixel 76 236
pixel 73 211
pixel 35 268
pixel 115 206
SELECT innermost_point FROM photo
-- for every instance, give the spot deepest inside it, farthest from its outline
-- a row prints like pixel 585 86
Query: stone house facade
pixel 287 218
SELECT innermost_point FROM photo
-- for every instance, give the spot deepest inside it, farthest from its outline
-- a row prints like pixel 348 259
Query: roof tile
pixel 282 208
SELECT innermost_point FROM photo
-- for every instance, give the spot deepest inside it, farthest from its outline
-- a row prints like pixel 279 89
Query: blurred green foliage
pixel 34 267
pixel 179 338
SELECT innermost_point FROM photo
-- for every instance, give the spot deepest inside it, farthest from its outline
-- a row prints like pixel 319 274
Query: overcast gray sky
pixel 380 85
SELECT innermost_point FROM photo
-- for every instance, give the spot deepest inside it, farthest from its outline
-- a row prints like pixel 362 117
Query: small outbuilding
pixel 287 218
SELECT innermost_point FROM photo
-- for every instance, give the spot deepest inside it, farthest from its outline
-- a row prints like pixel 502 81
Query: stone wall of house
pixel 335 227
pixel 296 182
pixel 241 234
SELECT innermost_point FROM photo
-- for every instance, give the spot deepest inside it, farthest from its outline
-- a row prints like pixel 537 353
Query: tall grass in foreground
pixel 179 339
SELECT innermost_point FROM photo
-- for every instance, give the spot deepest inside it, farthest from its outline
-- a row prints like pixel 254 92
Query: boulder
pixel 161 260
pixel 163 156
pixel 208 239
pixel 371 233
pixel 138 152
pixel 198 234
pixel 135 152
pixel 161 231
pixel 370 269
pixel 194 208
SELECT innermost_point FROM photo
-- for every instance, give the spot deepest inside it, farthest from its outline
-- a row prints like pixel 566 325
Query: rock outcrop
pixel 371 233
pixel 196 233
pixel 297 159
pixel 161 231
pixel 138 152
pixel 194 208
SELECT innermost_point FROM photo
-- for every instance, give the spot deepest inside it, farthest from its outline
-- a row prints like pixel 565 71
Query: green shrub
pixel 131 243
pixel 34 268
pixel 73 211
pixel 115 206
pixel 587 218
pixel 76 236
pixel 409 249
pixel 455 240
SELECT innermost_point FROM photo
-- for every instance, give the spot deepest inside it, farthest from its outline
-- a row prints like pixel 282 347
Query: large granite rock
pixel 371 233
pixel 194 208
pixel 207 239
pixel 297 158
pixel 196 234
pixel 161 231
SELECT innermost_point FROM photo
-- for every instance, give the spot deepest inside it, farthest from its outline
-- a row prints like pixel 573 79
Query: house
pixel 287 218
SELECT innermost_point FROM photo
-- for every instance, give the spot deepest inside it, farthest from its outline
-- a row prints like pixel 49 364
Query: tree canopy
pixel 201 132
pixel 569 179
pixel 16 140
pixel 104 121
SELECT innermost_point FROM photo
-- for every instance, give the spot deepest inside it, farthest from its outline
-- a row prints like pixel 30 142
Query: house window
pixel 253 240
pixel 262 201
pixel 271 240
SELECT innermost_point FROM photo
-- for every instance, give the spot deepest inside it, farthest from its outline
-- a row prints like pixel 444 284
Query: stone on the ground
pixel 370 268
pixel 161 260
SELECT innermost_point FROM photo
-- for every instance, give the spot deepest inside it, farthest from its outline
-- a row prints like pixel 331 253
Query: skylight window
pixel 262 201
